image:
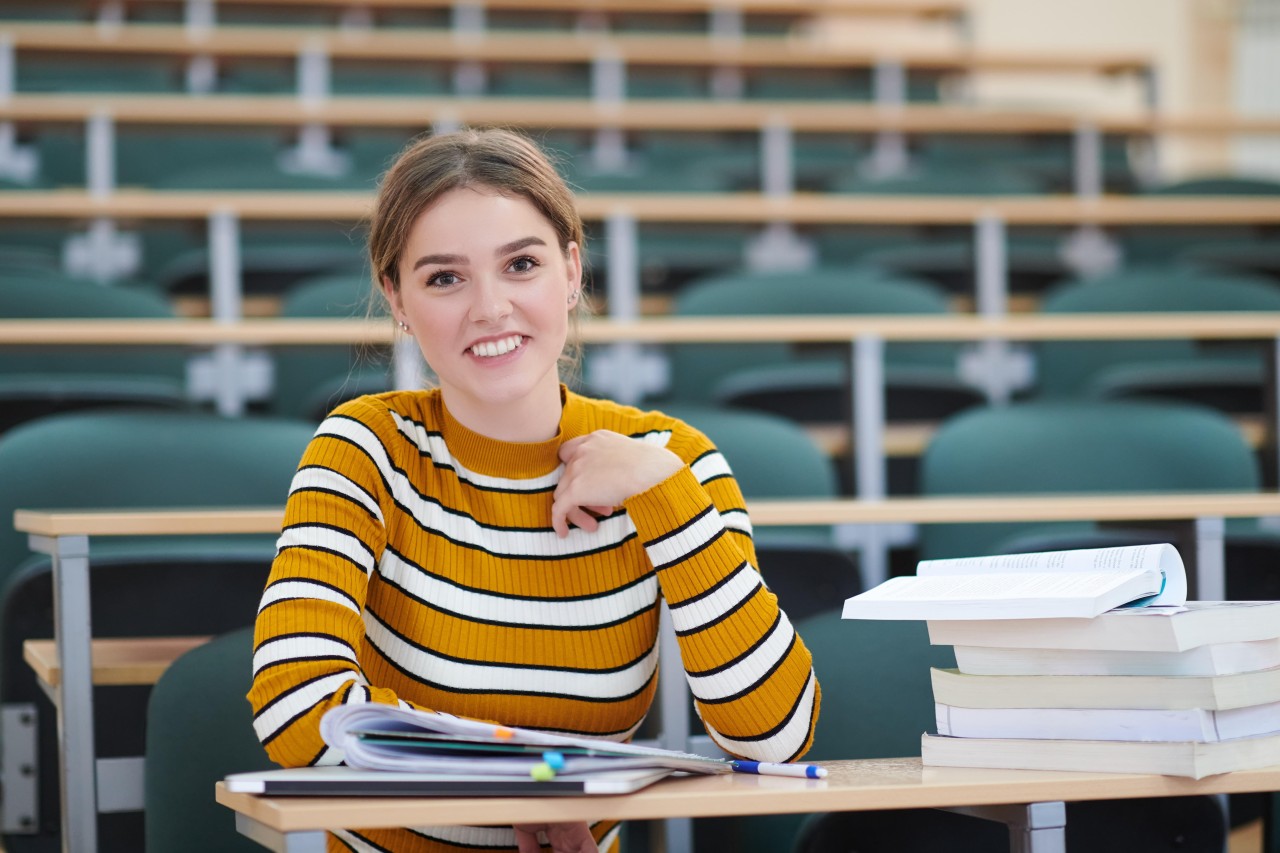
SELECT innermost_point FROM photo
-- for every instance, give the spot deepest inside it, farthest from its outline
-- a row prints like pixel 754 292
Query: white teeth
pixel 489 349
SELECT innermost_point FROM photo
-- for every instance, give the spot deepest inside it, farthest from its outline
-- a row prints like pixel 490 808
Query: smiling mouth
pixel 502 346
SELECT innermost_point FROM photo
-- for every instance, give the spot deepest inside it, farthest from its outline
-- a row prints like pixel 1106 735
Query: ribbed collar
pixel 516 460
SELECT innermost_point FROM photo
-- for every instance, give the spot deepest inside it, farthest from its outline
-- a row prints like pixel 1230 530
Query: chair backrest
pixel 1067 368
pixel 33 294
pixel 1078 446
pixel 1219 185
pixel 310 381
pixel 696 368
pixel 200 729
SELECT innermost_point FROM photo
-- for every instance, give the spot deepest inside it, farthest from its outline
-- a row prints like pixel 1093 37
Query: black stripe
pixel 759 585
pixel 595 626
pixel 315 635
pixel 681 528
pixel 324 584
pixel 446 466
pixel 315 759
pixel 691 554
pixel 458 845
pixel 336 529
pixel 346 558
pixel 354 484
pixel 489 662
pixel 340 841
pixel 543 557
pixel 710 590
pixel 283 727
pixel 367 841
pixel 780 726
pixel 445 688
pixel 337 494
pixel 757 644
pixel 511 595
pixel 750 687
pixel 648 432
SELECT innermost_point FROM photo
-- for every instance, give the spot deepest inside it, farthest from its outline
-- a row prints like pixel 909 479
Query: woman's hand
pixel 563 837
pixel 601 470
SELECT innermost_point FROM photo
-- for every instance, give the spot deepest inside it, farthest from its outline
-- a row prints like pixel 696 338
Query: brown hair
pixel 500 160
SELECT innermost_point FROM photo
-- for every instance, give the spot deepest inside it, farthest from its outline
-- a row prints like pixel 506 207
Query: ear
pixel 392 293
pixel 573 259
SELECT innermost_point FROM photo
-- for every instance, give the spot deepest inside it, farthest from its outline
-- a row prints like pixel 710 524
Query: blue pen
pixel 769 768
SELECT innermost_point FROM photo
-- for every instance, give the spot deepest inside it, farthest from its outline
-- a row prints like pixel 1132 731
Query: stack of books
pixel 1048 678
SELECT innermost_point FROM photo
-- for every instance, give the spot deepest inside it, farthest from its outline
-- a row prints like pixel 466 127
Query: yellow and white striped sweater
pixel 418 565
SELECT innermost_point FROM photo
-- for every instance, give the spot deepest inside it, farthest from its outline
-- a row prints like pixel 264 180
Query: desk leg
pixel 1033 828
pixel 77 767
pixel 281 842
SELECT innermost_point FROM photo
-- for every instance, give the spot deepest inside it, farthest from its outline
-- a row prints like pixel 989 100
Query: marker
pixel 769 768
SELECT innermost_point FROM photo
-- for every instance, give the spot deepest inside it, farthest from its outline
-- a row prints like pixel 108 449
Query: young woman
pixel 496 547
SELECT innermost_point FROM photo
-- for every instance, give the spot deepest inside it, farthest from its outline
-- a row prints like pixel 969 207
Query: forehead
pixel 475 218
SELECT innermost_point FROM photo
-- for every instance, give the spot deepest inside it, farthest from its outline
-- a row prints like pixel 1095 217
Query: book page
pixel 1005 586
pixel 1163 558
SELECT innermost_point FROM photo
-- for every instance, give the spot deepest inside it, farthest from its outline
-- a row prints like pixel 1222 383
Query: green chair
pixel 1080 446
pixel 199 730
pixel 1033 265
pixel 948 180
pixel 1256 256
pixel 310 381
pixel 1219 185
pixel 1172 368
pixel 38 381
pixel 156 586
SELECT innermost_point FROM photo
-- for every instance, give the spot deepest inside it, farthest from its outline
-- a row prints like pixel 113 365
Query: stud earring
pixel 573 297
pixel 404 327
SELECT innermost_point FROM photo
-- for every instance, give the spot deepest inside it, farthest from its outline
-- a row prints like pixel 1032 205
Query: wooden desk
pixel 117 661
pixel 863 785
pixel 791 8
pixel 670 49
pixel 64 535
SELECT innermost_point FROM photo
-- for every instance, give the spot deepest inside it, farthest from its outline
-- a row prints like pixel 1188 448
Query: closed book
pixel 1053 584
pixel 1211 659
pixel 1215 692
pixel 1150 629
pixel 1174 758
pixel 1135 724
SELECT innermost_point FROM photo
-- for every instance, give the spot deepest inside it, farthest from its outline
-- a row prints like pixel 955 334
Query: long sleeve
pixel 750 674
pixel 310 626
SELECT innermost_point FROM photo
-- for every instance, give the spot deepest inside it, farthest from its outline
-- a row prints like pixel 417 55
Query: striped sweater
pixel 417 565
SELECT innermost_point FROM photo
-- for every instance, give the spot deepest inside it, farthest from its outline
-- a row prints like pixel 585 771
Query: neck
pixel 532 418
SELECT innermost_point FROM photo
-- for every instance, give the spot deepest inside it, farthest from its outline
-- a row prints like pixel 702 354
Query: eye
pixel 442 279
pixel 524 263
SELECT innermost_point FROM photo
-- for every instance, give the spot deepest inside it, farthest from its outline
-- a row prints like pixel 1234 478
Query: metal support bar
pixel 19 163
pixel 608 78
pixel 889 83
pixel 20 768
pixel 120 784
pixel 226 299
pixel 1033 828
pixel 777 161
pixel 315 154
pixel 1271 414
pixel 1087 151
pixel 313 73
pixel 727 83
pixel 8 67
pixel 281 842
pixel 992 271
pixel 867 373
pixel 726 23
pixel 100 153
pixel 1210 579
pixel 674 698
pixel 202 74
pixel 469 19
pixel 200 16
pixel 71 625
pixel 609 150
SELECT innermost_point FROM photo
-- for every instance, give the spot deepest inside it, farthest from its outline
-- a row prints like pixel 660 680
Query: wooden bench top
pixel 906 510
pixel 669 330
pixel 117 661
pixel 705 208
pixel 418 113
pixel 870 8
pixel 673 49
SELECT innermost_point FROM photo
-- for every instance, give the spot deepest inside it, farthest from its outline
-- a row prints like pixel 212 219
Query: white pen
pixel 770 768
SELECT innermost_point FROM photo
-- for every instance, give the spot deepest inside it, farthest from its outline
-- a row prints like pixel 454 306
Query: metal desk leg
pixel 1033 828
pixel 867 372
pixel 77 768
pixel 281 842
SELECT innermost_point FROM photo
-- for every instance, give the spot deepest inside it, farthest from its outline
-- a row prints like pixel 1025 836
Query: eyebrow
pixel 505 249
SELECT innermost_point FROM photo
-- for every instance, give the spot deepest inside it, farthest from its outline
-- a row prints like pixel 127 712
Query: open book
pixel 1052 584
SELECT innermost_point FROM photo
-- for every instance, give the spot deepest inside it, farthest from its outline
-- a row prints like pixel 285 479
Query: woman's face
pixel 486 291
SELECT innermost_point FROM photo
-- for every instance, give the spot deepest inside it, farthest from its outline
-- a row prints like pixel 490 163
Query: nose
pixel 490 302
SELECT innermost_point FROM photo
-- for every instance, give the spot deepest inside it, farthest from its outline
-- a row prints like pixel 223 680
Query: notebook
pixel 352 782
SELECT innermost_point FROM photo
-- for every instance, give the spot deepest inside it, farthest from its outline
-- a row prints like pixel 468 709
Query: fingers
pixel 527 841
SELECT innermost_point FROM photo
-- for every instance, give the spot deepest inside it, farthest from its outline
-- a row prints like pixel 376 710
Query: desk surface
pixel 930 510
pixel 888 8
pixel 708 208
pixel 862 785
pixel 1252 325
pixel 639 114
pixel 678 49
